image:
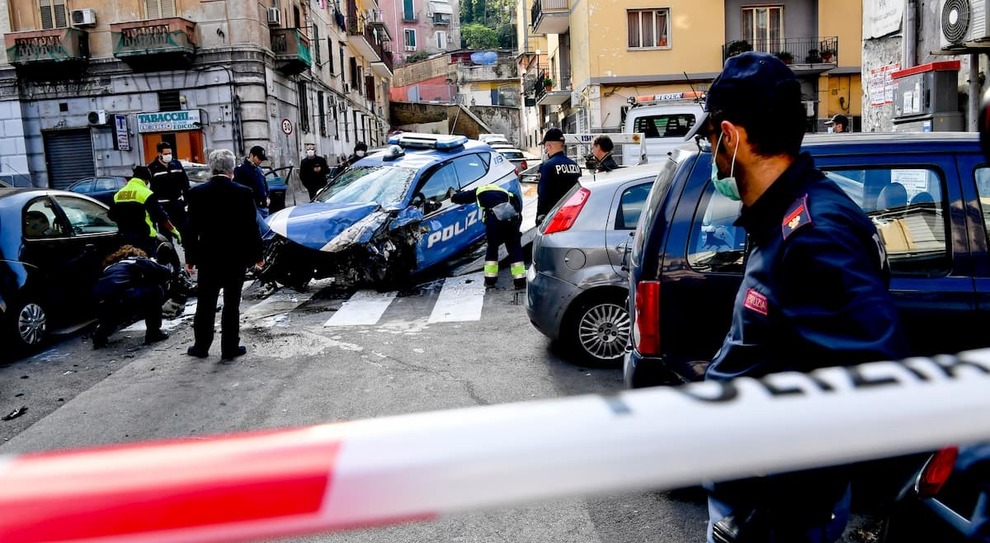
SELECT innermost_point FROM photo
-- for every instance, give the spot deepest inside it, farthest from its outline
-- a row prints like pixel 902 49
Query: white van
pixel 664 119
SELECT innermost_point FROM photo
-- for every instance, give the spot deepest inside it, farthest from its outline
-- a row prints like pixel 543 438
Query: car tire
pixel 598 331
pixel 168 257
pixel 28 324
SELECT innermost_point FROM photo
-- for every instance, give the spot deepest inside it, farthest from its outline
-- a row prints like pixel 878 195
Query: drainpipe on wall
pixel 910 48
pixel 972 115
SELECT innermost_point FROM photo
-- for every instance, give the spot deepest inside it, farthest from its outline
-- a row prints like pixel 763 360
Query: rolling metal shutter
pixel 69 156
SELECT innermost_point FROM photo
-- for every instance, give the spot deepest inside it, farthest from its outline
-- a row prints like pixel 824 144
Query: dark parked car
pixel 576 287
pixel 928 194
pixel 101 188
pixel 947 500
pixel 52 246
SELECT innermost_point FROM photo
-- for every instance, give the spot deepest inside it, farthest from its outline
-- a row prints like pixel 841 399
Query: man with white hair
pixel 222 241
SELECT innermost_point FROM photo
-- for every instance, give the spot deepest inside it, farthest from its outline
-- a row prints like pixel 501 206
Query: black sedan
pixel 101 188
pixel 52 246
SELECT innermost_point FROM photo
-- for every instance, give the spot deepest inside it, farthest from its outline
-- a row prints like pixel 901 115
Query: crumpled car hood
pixel 317 225
pixel 333 228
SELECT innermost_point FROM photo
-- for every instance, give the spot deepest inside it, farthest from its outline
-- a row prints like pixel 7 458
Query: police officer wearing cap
pixel 249 174
pixel 814 292
pixel 558 174
pixel 170 184
pixel 838 123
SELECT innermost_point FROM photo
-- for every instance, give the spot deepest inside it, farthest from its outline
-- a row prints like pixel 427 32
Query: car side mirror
pixel 418 200
pixel 432 205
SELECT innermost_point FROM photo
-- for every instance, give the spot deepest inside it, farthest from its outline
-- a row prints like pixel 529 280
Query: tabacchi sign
pixel 169 121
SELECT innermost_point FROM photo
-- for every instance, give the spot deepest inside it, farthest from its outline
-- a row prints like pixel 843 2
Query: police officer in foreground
pixel 558 174
pixel 131 285
pixel 503 217
pixel 137 212
pixel 814 292
pixel 170 184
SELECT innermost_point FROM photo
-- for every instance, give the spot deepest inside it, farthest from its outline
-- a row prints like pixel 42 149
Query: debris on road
pixel 15 413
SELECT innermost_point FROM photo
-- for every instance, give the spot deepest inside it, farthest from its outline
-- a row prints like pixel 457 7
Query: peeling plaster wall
pixel 878 54
pixel 501 120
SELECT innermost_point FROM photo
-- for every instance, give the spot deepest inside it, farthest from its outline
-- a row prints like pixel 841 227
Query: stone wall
pixel 422 71
pixel 500 120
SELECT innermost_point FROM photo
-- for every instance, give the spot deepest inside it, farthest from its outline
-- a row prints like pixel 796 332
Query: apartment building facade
pixel 601 55
pixel 422 27
pixel 89 87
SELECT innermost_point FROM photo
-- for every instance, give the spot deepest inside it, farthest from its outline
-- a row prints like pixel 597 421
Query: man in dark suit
pixel 222 241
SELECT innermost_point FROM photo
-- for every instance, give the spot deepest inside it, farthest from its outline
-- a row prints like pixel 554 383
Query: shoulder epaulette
pixel 797 216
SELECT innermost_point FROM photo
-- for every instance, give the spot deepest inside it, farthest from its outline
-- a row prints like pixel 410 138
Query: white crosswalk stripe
pixel 365 307
pixel 461 299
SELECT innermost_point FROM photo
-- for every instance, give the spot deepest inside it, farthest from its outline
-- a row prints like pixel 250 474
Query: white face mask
pixel 310 152
pixel 727 186
pixel 166 158
pixel 359 153
pixel 831 130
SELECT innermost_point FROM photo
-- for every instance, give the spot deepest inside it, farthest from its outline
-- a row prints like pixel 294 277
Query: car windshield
pixel 512 154
pixel 385 185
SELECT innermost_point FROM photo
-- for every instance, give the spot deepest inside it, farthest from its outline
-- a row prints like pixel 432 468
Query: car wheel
pixel 28 324
pixel 600 331
pixel 168 257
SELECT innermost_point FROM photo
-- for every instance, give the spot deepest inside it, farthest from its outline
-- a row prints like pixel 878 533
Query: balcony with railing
pixel 48 54
pixel 292 52
pixel 550 16
pixel 155 43
pixel 369 37
pixel 550 92
pixel 384 67
pixel 803 55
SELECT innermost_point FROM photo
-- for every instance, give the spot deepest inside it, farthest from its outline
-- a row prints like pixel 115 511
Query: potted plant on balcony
pixel 827 55
pixel 736 47
pixel 548 84
pixel 785 56
pixel 813 57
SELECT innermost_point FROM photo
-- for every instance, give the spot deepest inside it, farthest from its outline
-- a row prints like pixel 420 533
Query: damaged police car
pixel 389 216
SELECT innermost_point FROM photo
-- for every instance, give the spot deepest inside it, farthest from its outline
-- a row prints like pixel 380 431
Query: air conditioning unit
pixel 274 17
pixel 962 22
pixel 83 17
pixel 97 118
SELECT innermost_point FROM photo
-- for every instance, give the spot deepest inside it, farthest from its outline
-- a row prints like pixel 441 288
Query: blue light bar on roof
pixel 428 141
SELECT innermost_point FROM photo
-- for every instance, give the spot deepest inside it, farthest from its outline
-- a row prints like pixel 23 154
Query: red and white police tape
pixel 413 467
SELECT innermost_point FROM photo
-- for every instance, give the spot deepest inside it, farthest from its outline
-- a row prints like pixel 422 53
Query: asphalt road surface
pixel 326 355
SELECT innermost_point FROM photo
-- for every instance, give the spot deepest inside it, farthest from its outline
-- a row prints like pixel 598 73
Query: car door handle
pixel 89 248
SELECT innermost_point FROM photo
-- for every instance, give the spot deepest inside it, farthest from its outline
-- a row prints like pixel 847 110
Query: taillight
pixel 523 165
pixel 518 169
pixel 937 472
pixel 568 213
pixel 646 333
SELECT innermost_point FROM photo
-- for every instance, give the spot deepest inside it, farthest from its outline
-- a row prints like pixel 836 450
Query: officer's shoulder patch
pixel 797 216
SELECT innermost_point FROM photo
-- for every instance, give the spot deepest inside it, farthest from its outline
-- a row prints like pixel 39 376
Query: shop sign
pixel 169 121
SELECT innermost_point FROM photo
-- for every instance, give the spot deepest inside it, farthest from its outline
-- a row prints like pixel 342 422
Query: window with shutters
pixel 303 106
pixel 441 40
pixel 330 54
pixel 53 14
pixel 316 46
pixel 323 112
pixel 159 9
pixel 410 39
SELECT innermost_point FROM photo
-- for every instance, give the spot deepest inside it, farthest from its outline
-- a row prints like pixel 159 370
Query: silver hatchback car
pixel 576 287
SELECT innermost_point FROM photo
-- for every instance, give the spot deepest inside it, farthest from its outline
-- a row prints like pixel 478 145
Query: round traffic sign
pixel 286 126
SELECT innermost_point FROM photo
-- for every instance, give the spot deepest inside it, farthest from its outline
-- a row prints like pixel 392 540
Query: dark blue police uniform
pixel 814 294
pixel 815 290
pixel 253 178
pixel 557 175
